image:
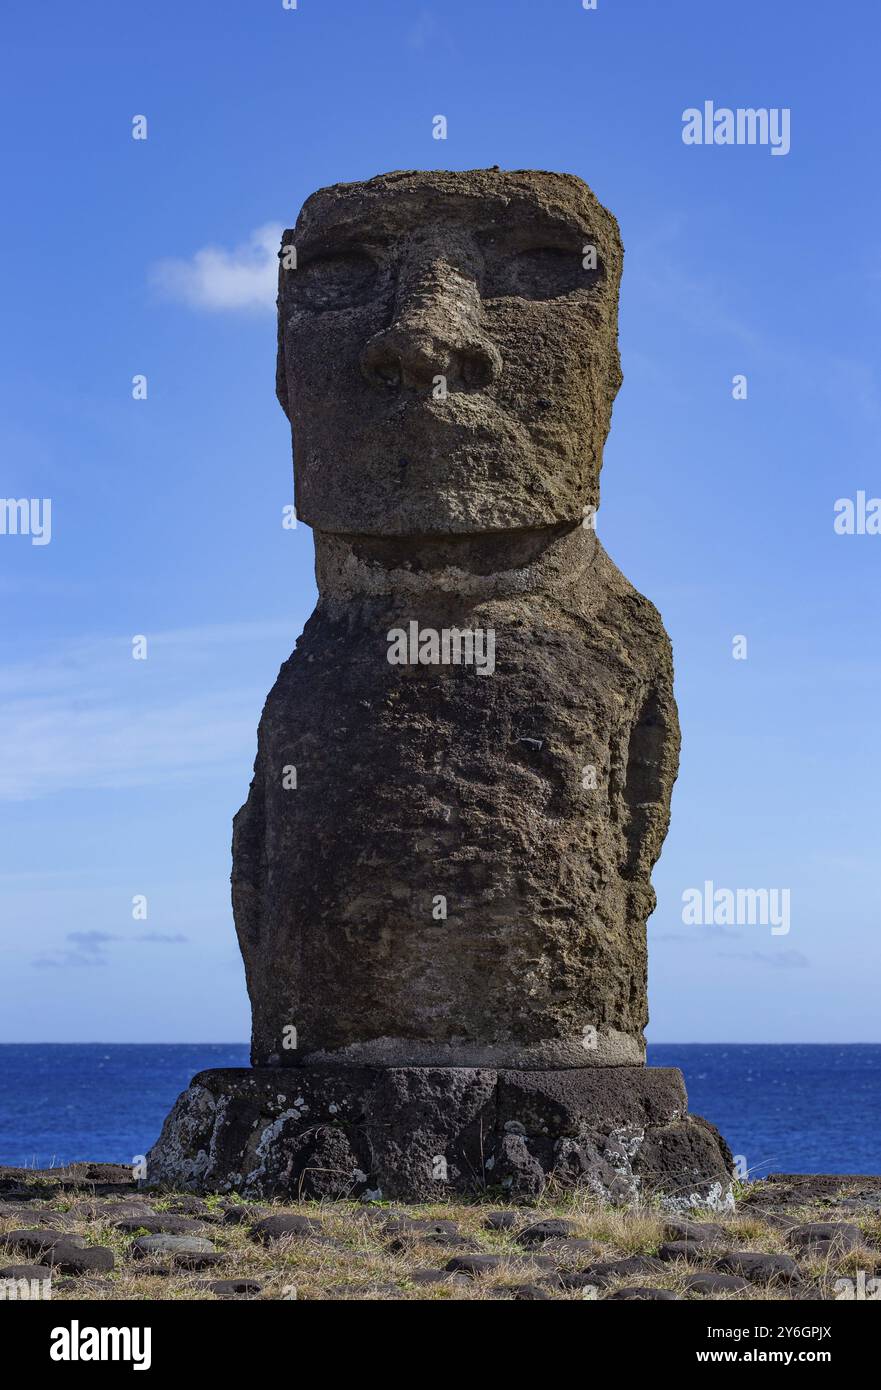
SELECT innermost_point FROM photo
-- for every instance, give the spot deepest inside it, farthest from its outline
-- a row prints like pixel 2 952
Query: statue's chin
pixel 466 491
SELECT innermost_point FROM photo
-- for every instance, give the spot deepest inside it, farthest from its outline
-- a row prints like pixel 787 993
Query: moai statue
pixel 441 876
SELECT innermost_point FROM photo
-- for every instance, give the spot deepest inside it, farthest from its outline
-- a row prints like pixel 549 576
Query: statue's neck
pixel 547 560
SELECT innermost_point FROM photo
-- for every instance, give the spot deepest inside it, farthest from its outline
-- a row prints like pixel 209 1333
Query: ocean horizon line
pixel 656 1042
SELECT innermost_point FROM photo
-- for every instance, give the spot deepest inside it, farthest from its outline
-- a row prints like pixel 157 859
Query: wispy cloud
pixel 67 960
pixel 88 716
pixel 91 940
pixel 90 948
pixel 244 278
pixel 775 960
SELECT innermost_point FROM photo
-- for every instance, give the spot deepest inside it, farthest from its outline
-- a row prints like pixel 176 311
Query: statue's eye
pixel 334 281
pixel 543 272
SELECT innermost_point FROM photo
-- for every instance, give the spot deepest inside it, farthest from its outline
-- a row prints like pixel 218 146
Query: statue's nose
pixel 435 333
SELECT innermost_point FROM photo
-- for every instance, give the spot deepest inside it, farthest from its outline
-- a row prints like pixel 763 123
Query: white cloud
pixel 244 278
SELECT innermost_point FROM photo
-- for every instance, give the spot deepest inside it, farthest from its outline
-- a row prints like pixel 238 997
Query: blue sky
pixel 120 777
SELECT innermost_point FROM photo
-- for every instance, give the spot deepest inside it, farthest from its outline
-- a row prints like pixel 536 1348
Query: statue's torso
pixel 462 867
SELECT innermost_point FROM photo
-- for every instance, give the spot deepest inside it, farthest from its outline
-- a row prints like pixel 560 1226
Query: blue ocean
pixel 801 1108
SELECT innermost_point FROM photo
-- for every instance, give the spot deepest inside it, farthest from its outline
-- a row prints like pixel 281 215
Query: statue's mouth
pixel 462 430
pixel 458 409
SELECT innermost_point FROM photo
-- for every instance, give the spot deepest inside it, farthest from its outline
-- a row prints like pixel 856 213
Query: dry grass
pixel 354 1260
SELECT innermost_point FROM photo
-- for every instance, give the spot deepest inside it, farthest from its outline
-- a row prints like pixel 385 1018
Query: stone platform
pixel 424 1133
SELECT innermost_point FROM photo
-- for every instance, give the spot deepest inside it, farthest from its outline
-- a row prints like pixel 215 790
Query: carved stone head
pixel 448 351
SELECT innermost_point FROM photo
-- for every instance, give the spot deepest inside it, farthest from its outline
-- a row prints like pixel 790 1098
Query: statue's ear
pixel 281 388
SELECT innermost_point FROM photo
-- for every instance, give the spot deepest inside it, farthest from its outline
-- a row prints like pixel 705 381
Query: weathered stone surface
pixel 241 1215
pixel 192 1252
pixel 708 1283
pixel 158 1223
pixel 460 510
pixel 758 1267
pixel 694 1232
pixel 66 1253
pixel 553 1229
pixel 558 1103
pixel 474 1264
pixel 441 875
pixel 478 275
pixel 71 1259
pixel 98 1209
pixel 40 1243
pixel 608 1270
pixel 420 1227
pixel 276 1228
pixel 820 1238
pixel 236 1288
pixel 502 1221
pixel 523 1293
pixel 188 1205
pixel 681 1250
pixel 643 1292
pixel 99 1178
pixel 425 1132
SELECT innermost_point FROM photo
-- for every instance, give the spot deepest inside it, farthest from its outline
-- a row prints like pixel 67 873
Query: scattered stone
pixel 363 1291
pixel 37 1215
pixel 695 1232
pixel 94 1209
pixel 194 1252
pixel 797 1189
pixel 68 1254
pixel 474 1264
pixel 682 1250
pixel 553 1229
pixel 71 1259
pixel 440 1240
pixel 188 1205
pixel 275 1228
pixel 428 1276
pixel 26 1272
pixel 372 1211
pixel 236 1288
pixel 708 1283
pixel 40 1243
pixel 14 1211
pixel 420 1226
pixel 522 1293
pixel 159 1223
pixel 758 1267
pixel 239 1215
pixel 821 1238
pixel 534 1261
pixel 643 1292
pixel 39 1183
pixel 501 1221
pixel 607 1271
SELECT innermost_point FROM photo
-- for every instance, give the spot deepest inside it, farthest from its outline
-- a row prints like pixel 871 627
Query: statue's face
pixel 448 352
